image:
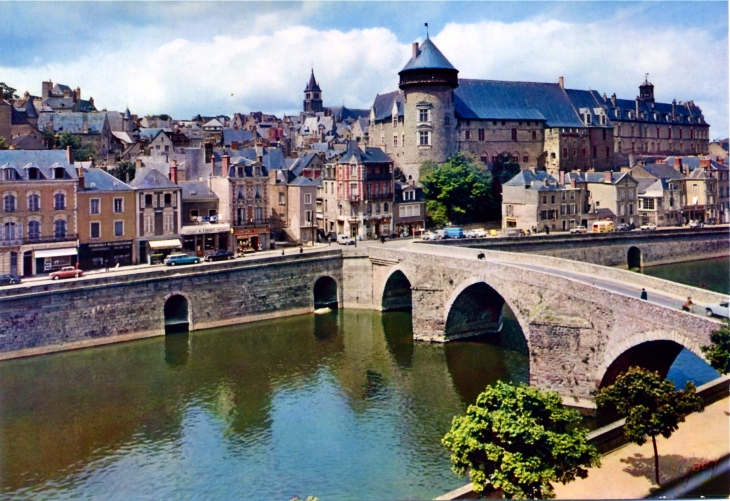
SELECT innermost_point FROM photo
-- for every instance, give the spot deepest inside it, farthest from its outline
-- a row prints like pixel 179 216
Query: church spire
pixel 313 96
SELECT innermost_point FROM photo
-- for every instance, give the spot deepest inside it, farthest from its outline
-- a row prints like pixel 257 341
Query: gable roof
pixel 383 104
pixel 99 180
pixel 150 178
pixel 370 155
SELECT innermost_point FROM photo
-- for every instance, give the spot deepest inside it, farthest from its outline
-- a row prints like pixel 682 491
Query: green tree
pixel 7 92
pixel 462 187
pixel 124 171
pixel 3 144
pixel 519 439
pixel 426 168
pixel 398 175
pixel 80 152
pixel 505 168
pixel 650 404
pixel 718 353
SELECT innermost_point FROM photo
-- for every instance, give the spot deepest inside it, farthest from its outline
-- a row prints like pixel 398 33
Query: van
pixel 345 240
pixel 602 226
pixel 453 232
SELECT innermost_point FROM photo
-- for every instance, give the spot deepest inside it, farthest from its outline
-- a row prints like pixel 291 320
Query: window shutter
pixel 20 231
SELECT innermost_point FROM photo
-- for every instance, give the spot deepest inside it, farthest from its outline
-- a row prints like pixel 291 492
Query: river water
pixel 340 406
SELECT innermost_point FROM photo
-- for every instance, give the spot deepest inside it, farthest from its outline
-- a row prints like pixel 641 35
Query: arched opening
pixel 325 293
pixel 652 355
pixel 633 257
pixel 176 314
pixel 397 293
pixel 477 310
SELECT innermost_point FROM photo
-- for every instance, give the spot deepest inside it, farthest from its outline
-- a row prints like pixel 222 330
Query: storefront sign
pixel 248 233
pixel 110 245
pixel 205 229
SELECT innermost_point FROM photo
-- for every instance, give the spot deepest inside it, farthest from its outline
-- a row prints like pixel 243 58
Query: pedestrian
pixel 644 295
pixel 329 240
pixel 106 264
pixel 687 306
pixel 282 252
pixel 382 239
pixel 301 250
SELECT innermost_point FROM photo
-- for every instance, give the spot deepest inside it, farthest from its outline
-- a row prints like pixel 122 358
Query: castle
pixel 540 125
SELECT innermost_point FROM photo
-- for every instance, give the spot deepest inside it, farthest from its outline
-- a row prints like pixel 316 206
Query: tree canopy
pixel 718 353
pixel 458 191
pixel 7 92
pixel 519 439
pixel 80 152
pixel 3 144
pixel 124 171
pixel 650 404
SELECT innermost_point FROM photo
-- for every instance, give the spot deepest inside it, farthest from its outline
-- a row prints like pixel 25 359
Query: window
pixel 194 214
pixel 168 223
pixel 168 199
pixel 694 187
pixel 118 228
pixel 649 203
pixel 148 201
pixel 514 134
pixel 59 228
pixel 424 138
pixel 9 203
pixel 282 199
pixel 480 133
pixel 423 115
pixel 395 140
pixel 385 207
pixel 257 191
pixel 534 135
pixel 59 201
pixel 95 206
pixel 447 120
pixel 467 135
pixel 95 229
pixel 34 202
pixel 118 205
pixel 308 198
pixel 544 199
pixel 552 199
pixel 149 225
pixel 10 231
pixel 34 230
pixel 565 152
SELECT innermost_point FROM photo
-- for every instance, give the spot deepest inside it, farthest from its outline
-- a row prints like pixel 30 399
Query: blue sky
pixel 184 58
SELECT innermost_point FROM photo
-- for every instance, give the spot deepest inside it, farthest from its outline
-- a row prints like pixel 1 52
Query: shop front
pixel 155 251
pixel 48 260
pixel 251 239
pixel 415 228
pixel 105 254
pixel 203 238
pixel 375 227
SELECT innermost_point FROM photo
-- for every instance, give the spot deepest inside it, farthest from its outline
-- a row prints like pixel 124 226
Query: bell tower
pixel 313 96
pixel 646 90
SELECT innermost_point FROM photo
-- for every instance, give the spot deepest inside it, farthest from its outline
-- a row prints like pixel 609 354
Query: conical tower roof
pixel 312 85
pixel 428 57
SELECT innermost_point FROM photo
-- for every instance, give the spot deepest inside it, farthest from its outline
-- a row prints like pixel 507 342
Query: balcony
pixel 380 196
pixel 38 240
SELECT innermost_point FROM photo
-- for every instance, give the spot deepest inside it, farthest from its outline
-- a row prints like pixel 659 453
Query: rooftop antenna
pixel 646 77
pixel 426 29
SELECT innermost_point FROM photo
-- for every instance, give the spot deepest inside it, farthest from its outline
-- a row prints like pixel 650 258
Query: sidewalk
pixel 628 472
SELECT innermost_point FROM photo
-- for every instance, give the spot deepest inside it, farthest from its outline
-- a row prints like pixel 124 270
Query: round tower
pixel 428 81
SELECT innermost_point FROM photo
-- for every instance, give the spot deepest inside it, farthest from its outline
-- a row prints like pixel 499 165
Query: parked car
pixel 175 259
pixel 345 240
pixel 219 255
pixel 9 279
pixel 453 232
pixel 579 229
pixel 476 233
pixel 696 224
pixel 66 272
pixel 649 226
pixel 717 310
pixel 430 235
pixel 623 227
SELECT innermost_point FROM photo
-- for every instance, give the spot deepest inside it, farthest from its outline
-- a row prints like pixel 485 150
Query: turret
pixel 312 96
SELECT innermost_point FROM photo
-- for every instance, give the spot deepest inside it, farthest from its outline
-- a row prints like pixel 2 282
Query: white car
pixel 579 229
pixel 717 310
pixel 475 234
pixel 345 240
pixel 430 235
pixel 649 226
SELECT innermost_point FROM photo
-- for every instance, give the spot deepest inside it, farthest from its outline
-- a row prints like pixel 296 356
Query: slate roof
pixel 73 122
pixel 197 190
pixel 302 181
pixel 599 177
pixel 428 57
pixel 99 180
pixel 240 135
pixel 301 163
pixel 535 180
pixel 662 171
pixel 345 113
pixel 648 184
pixel 383 105
pixel 43 159
pixel 370 155
pixel 623 106
pixel 312 84
pixel 149 178
pixel 585 100
pixel 151 133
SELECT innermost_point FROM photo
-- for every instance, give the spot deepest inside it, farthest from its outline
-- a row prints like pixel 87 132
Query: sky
pixel 210 58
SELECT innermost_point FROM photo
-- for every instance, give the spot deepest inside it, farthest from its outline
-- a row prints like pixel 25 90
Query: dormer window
pixel 34 173
pixel 8 174
pixel 59 173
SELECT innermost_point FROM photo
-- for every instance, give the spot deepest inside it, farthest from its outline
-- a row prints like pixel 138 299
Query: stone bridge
pixel 583 324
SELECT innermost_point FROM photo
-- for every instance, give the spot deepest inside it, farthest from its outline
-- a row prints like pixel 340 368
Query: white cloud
pixel 265 68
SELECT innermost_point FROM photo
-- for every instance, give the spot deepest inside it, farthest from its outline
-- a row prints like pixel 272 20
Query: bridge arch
pixel 654 350
pixel 486 303
pixel 325 292
pixel 176 313
pixel 397 292
pixel 633 258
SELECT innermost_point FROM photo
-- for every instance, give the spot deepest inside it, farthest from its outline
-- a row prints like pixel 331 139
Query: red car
pixel 66 272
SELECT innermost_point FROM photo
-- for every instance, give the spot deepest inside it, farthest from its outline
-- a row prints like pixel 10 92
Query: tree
pixel 651 405
pixel 124 171
pixel 519 439
pixel 7 92
pixel 80 152
pixel 718 353
pixel 398 175
pixel 3 144
pixel 426 168
pixel 462 189
pixel 505 168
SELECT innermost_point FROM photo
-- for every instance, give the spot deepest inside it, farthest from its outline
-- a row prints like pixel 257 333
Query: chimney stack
pixel 562 177
pixel 572 181
pixel 226 165
pixel 69 158
pixel 173 171
pixel 637 107
pixel 212 165
pixel 80 171
pixel 415 50
pixel 561 82
pixel 613 99
pixel 607 176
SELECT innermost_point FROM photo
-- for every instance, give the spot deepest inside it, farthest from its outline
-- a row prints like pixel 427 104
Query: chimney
pixel 212 165
pixel 69 158
pixel 562 177
pixel 572 181
pixel 234 145
pixel 138 163
pixel 613 99
pixel 674 109
pixel 705 163
pixel 226 165
pixel 173 171
pixel 607 176
pixel 415 50
pixel 80 171
pixel 561 82
pixel 637 107
pixel 678 165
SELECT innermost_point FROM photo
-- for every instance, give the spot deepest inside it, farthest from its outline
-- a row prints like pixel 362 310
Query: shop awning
pixel 203 229
pixel 67 251
pixel 164 244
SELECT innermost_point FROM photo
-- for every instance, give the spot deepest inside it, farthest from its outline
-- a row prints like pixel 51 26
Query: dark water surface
pixel 341 406
pixel 711 274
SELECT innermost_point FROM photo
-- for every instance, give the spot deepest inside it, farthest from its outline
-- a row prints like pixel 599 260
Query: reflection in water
pixel 177 349
pixel 711 274
pixel 326 325
pixel 398 330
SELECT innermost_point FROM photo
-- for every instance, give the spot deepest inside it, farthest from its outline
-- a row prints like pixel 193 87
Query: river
pixel 340 406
